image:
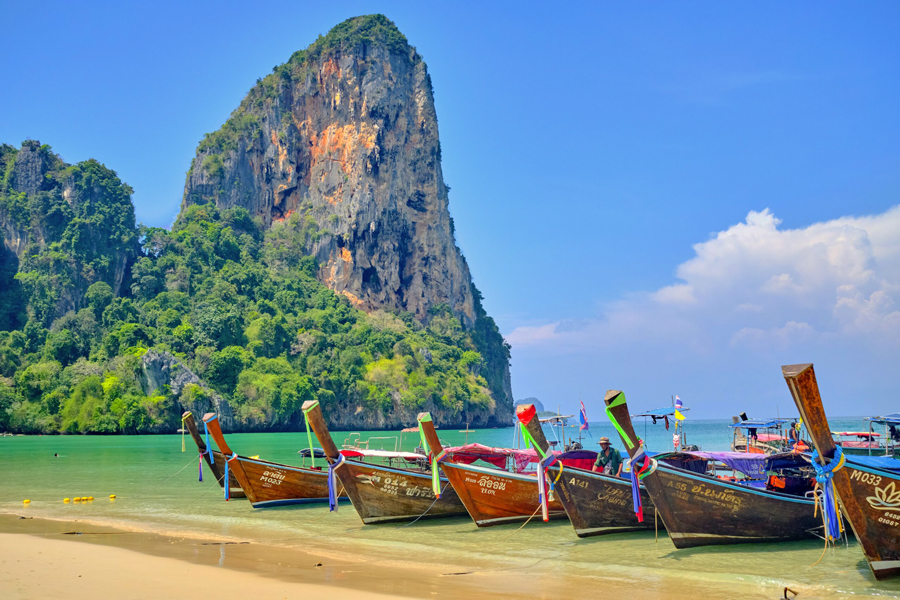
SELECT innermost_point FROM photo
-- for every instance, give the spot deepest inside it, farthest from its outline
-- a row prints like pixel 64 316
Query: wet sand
pixel 44 558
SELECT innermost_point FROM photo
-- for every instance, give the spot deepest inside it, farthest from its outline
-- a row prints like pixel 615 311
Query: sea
pixel 157 489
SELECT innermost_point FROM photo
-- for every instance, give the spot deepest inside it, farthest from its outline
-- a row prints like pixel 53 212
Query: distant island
pixel 314 257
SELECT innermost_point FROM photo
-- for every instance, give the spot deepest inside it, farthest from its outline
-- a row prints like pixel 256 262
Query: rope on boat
pixel 190 462
pixel 503 539
pixel 327 512
pixel 227 485
pixel 436 498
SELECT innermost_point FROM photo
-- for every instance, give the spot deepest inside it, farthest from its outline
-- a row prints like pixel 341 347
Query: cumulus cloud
pixel 757 285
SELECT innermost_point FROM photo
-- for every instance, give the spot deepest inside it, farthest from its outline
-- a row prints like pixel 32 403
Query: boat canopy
pixel 582 459
pixel 758 423
pixel 879 462
pixel 862 434
pixel 365 453
pixel 496 456
pixel 891 419
pixel 318 452
pixel 785 460
pixel 659 413
pixel 751 464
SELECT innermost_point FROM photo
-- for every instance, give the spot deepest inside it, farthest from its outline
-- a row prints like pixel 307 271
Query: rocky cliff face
pixel 345 134
pixel 68 225
pixel 343 139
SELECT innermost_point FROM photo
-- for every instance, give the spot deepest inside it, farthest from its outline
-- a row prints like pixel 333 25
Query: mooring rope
pixel 436 498
pixel 190 462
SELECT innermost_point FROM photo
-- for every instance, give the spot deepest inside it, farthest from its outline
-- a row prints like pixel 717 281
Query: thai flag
pixel 582 416
pixel 678 403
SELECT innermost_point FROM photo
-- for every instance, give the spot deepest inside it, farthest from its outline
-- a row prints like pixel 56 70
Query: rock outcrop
pixel 343 139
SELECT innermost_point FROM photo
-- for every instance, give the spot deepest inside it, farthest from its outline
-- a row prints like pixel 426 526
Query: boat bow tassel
pixel 641 466
pixel 544 495
pixel 824 475
pixel 227 481
pixel 332 483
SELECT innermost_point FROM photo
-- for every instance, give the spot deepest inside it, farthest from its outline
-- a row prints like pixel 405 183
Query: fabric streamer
pixel 641 466
pixel 227 480
pixel 544 495
pixel 200 466
pixel 824 474
pixel 620 400
pixel 312 453
pixel 332 483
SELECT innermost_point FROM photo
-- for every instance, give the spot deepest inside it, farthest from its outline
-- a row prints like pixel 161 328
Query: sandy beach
pixel 45 558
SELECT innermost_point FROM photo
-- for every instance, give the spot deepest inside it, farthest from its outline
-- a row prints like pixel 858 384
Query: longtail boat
pixel 267 483
pixel 215 460
pixel 382 493
pixel 596 503
pixel 700 509
pixel 868 487
pixel 491 495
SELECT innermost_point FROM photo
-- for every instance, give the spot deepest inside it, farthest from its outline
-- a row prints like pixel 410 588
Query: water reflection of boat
pixel 379 488
pixel 868 486
pixel 501 490
pixel 699 509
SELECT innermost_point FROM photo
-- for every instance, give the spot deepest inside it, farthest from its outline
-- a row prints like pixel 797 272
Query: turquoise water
pixel 141 471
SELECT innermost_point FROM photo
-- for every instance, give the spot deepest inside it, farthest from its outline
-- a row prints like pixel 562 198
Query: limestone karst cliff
pixel 343 141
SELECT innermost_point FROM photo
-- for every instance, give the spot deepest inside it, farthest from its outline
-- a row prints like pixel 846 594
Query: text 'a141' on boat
pixel 504 492
pixel 266 483
pixel 215 460
pixel 596 503
pixel 700 509
pixel 381 491
pixel 867 487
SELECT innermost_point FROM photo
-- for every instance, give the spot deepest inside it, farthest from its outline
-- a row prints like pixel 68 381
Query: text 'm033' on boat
pixel 867 488
pixel 504 492
pixel 381 491
pixel 700 509
pixel 267 483
pixel 215 460
pixel 596 503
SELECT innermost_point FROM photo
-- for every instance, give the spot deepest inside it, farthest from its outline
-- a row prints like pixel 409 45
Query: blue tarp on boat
pixel 759 423
pixel 878 462
pixel 750 464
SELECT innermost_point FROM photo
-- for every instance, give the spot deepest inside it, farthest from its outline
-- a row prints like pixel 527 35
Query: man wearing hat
pixel 609 461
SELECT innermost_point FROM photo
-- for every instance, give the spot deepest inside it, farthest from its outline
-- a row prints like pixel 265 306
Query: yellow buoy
pixel 66 500
pixel 112 496
pixel 91 498
pixel 26 501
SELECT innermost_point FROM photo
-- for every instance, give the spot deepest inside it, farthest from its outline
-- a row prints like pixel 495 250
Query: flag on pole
pixel 678 403
pixel 582 417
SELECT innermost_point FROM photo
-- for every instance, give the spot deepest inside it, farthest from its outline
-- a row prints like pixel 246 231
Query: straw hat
pixel 603 440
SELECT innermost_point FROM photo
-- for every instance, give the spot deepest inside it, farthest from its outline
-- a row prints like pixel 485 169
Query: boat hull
pixel 599 504
pixel 383 494
pixel 272 484
pixel 701 511
pixel 493 497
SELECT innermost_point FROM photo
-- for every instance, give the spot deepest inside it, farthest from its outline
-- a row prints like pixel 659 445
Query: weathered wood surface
pixel 266 483
pixel 699 510
pixel 869 497
pixel 597 504
pixel 381 493
pixel 491 496
pixel 214 459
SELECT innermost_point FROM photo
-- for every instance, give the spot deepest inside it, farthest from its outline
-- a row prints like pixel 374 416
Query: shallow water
pixel 143 471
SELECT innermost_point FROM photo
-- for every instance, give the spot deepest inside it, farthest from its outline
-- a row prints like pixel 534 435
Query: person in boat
pixel 609 461
pixel 895 435
pixel 794 434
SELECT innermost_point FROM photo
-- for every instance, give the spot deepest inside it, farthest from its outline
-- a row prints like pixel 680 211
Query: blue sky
pixel 663 198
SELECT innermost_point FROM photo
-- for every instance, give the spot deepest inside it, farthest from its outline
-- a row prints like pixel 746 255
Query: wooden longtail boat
pixel 700 510
pixel 266 483
pixel 491 496
pixel 597 504
pixel 868 487
pixel 215 460
pixel 383 493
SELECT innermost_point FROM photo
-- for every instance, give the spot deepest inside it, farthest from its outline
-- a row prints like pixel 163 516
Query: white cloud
pixel 757 286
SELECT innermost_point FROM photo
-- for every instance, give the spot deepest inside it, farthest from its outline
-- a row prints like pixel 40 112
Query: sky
pixel 663 198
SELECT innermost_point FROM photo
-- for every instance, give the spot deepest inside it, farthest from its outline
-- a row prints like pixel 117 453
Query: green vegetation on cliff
pixel 238 305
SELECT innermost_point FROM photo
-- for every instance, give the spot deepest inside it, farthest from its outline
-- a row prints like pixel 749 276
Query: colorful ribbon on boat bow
pixel 332 483
pixel 227 481
pixel 312 451
pixel 544 495
pixel 206 452
pixel 435 473
pixel 824 473
pixel 641 466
